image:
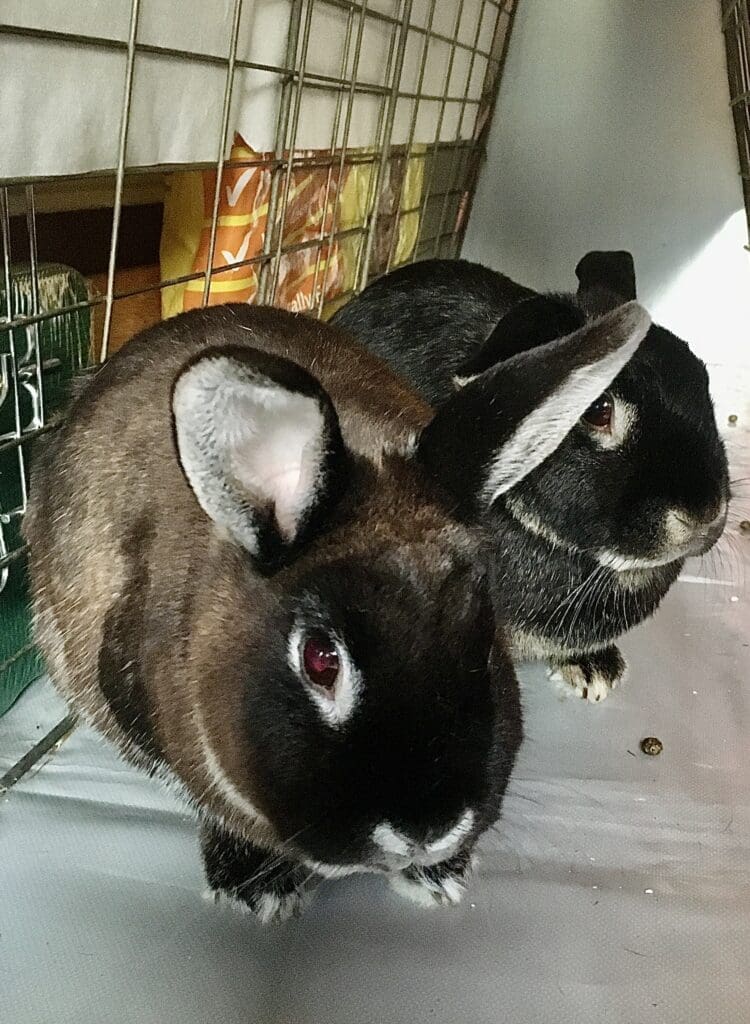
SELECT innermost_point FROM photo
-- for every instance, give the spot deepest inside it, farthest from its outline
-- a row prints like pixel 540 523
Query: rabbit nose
pixel 692 529
pixel 708 530
pixel 711 516
pixel 712 522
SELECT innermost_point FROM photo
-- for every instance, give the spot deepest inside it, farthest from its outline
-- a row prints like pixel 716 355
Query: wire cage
pixel 159 155
pixel 736 24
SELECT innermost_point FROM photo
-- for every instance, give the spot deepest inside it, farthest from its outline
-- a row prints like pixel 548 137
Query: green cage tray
pixel 64 342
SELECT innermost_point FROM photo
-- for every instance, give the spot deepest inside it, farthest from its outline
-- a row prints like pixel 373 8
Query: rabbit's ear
pixel 493 432
pixel 605 280
pixel 530 323
pixel 259 442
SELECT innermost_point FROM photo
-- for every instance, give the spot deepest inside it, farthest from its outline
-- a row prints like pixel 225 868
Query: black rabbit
pixel 587 544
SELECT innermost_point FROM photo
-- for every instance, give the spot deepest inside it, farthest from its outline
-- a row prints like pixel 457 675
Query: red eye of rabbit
pixel 320 658
pixel 599 413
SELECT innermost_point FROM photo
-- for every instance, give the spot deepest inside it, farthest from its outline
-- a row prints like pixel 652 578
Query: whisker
pixel 591 583
pixel 568 602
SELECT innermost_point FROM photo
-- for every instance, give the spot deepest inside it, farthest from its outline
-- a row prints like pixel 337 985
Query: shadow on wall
pixel 613 130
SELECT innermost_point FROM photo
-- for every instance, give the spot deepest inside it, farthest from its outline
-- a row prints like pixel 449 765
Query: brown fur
pixel 139 605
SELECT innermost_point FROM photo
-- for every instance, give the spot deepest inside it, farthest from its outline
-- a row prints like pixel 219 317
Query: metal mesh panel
pixel 736 25
pixel 420 45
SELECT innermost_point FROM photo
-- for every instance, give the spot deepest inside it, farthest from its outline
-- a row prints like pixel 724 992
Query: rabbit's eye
pixel 320 659
pixel 599 413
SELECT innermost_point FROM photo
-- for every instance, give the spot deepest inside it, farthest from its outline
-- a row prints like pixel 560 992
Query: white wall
pixel 613 130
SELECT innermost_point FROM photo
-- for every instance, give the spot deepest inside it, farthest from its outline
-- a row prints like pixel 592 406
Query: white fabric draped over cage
pixel 65 69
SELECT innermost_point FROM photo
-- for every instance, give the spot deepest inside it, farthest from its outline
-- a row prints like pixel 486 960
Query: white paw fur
pixel 271 909
pixel 571 680
pixel 275 909
pixel 425 892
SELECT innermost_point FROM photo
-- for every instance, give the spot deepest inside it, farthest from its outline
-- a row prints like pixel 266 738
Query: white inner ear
pixel 275 450
pixel 544 428
pixel 246 444
pixel 336 707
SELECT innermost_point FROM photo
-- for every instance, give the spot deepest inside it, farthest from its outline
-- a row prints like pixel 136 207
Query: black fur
pixel 184 652
pixel 531 323
pixel 604 280
pixel 427 318
pixel 488 409
pixel 434 320
pixel 400 757
pixel 246 873
pixel 421 747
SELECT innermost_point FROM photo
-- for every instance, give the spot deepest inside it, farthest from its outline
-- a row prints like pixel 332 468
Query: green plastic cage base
pixel 20 663
pixel 64 343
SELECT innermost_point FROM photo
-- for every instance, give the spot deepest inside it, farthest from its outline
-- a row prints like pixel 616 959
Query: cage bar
pixel 120 173
pixel 736 25
pixel 24 199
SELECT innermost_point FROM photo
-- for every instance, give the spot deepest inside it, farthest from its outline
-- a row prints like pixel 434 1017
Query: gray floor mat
pixel 616 887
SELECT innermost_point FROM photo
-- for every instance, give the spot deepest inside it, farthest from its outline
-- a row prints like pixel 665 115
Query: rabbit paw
pixel 439 885
pixel 268 907
pixel 252 880
pixel 591 676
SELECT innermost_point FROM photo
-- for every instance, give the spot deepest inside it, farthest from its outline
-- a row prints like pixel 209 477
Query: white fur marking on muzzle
pixel 451 840
pixel 400 850
pixel 533 524
pixel 389 841
pixel 626 563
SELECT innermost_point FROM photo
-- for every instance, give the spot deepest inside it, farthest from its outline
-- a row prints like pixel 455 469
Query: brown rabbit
pixel 246 573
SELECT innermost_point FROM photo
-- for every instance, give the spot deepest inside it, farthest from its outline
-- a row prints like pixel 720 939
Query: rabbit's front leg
pixel 590 676
pixel 442 884
pixel 252 879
